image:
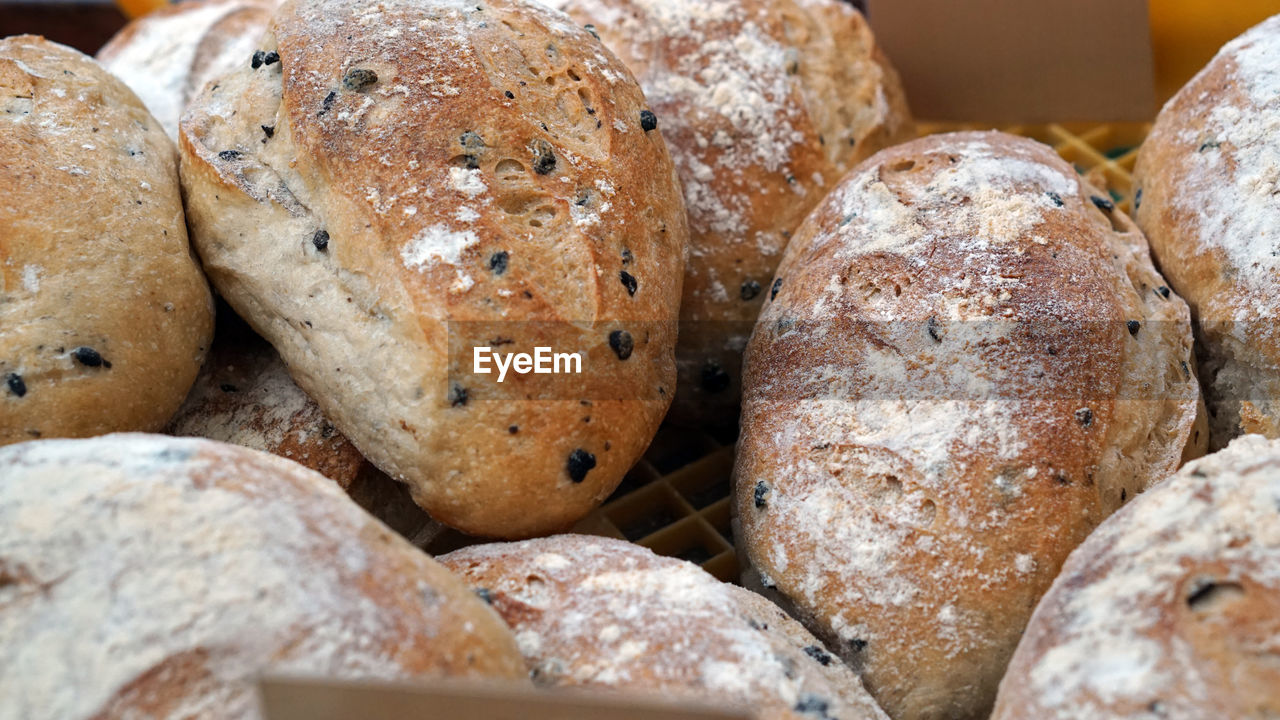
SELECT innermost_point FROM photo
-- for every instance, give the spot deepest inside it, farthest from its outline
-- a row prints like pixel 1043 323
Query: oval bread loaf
pixel 105 316
pixel 244 396
pixel 605 614
pixel 969 364
pixel 1171 609
pixel 764 105
pixel 167 56
pixel 414 180
pixel 1207 176
pixel 148 576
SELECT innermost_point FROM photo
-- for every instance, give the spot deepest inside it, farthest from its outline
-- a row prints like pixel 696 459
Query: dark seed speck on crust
pixel 88 357
pixel 580 463
pixel 16 384
pixel 229 155
pixel 269 131
pixel 498 262
pixel 621 343
pixel 1102 203
pixel 1134 326
pixel 628 282
pixel 1084 416
pixel 760 492
pixel 485 595
pixel 457 395
pixel 1164 292
pixel 817 653
pixel 256 61
pixel 327 103
pixel 271 58
pixel 358 79
pixel 544 158
pixel 777 285
pixel 648 121
pixel 321 240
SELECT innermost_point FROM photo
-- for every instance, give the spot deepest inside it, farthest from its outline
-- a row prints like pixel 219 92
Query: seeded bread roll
pixel 969 364
pixel 765 105
pixel 1207 175
pixel 244 396
pixel 167 56
pixel 1170 610
pixel 104 314
pixel 415 180
pixel 148 576
pixel 605 614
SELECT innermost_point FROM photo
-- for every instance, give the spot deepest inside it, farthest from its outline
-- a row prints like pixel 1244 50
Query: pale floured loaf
pixel 604 614
pixel 764 105
pixel 1208 175
pixel 969 364
pixel 1171 609
pixel 414 179
pixel 149 576
pixel 244 396
pixel 167 56
pixel 105 316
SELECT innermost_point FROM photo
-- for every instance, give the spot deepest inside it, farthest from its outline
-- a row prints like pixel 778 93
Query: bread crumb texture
pixel 1171 609
pixel 1209 174
pixel 385 185
pixel 945 394
pixel 150 576
pixel 605 614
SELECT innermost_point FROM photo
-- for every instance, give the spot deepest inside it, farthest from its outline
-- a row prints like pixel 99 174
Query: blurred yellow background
pixel 1186 34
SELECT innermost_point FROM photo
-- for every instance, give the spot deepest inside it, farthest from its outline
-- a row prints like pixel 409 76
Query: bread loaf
pixel 969 363
pixel 605 614
pixel 147 576
pixel 414 180
pixel 105 316
pixel 1207 179
pixel 244 396
pixel 167 56
pixel 1171 609
pixel 764 104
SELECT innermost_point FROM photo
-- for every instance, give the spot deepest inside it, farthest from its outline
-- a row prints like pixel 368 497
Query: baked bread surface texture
pixel 969 363
pixel 1208 174
pixel 605 614
pixel 413 180
pixel 168 55
pixel 1171 609
pixel 105 316
pixel 148 576
pixel 764 105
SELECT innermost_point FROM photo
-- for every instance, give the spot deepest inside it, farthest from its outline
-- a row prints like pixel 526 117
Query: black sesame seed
pixel 513 429
pixel 358 79
pixel 229 155
pixel 1124 494
pixel 269 131
pixel 813 705
pixel 498 262
pixel 750 289
pixel 87 356
pixel 321 240
pixel 817 653
pixel 457 395
pixel 1137 199
pixel 858 644
pixel 227 388
pixel 1084 416
pixel 271 58
pixel 544 158
pixel 648 121
pixel 327 103
pixel 932 326
pixel 580 463
pixel 621 343
pixel 1056 198
pixel 485 595
pixel 714 377
pixel 1209 144
pixel 510 95
pixel 760 492
pixel 16 384
pixel 627 257
pixel 777 285
pixel 1164 291
pixel 1134 326
pixel 256 61
pixel 628 282
pixel 591 29
pixel 1102 203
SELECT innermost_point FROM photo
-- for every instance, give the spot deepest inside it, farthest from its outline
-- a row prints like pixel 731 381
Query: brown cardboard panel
pixel 295 698
pixel 1020 61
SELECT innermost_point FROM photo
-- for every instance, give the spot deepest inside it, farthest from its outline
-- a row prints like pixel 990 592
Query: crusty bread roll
pixel 1171 609
pixel 104 314
pixel 605 614
pixel 765 104
pixel 414 180
pixel 148 576
pixel 970 362
pixel 244 396
pixel 166 56
pixel 1207 202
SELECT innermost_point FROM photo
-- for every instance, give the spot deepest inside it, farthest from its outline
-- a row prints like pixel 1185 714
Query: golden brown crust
pixel 968 365
pixel 1171 609
pixel 1207 174
pixel 104 314
pixel 765 105
pixel 609 615
pixel 153 575
pixel 481 177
